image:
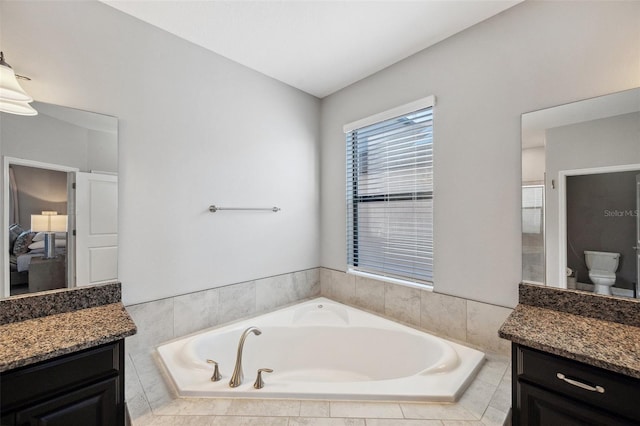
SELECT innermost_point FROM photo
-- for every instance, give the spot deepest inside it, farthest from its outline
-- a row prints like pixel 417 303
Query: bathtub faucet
pixel 238 376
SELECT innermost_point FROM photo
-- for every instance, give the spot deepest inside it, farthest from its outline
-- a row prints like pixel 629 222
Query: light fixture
pixel 49 222
pixel 13 98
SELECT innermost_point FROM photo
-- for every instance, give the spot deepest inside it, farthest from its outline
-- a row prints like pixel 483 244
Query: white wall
pixel 61 136
pixel 194 129
pixel 103 151
pixel 49 141
pixel 533 165
pixel 38 190
pixel 606 142
pixel 532 56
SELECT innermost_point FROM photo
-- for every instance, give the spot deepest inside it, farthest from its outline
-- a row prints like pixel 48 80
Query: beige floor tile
pixel 137 402
pixel 476 398
pixel 376 410
pixel 501 399
pixel 402 422
pixel 493 417
pixel 436 412
pixel 143 420
pixel 193 421
pixel 493 369
pixel 195 407
pixel 249 421
pixel 315 409
pixel 324 421
pixel 155 384
pixel 264 407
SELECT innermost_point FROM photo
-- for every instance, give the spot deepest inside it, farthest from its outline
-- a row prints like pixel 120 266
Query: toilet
pixel 602 270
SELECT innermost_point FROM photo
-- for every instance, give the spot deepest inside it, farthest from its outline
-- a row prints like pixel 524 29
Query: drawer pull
pixel 573 382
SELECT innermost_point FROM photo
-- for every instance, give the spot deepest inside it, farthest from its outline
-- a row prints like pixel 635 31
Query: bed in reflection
pixel 26 252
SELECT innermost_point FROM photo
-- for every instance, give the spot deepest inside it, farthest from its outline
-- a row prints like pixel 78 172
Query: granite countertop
pixel 587 334
pixel 30 341
pixel 45 325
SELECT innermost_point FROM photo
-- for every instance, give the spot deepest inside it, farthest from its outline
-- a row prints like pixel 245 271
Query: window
pixel 532 209
pixel 390 193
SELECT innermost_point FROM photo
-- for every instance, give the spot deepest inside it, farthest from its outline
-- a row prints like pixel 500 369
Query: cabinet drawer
pixel 608 391
pixel 31 383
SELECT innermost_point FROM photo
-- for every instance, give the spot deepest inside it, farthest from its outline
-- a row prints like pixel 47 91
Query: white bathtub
pixel 321 349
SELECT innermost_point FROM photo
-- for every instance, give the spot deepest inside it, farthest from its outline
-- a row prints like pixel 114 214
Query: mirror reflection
pixel 60 199
pixel 581 195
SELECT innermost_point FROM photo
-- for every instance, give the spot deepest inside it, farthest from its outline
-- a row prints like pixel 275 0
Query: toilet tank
pixel 602 260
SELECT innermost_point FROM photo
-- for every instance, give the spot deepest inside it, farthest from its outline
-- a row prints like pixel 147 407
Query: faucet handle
pixel 259 384
pixel 216 373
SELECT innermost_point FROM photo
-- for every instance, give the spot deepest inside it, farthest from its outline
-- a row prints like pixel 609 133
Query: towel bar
pixel 214 209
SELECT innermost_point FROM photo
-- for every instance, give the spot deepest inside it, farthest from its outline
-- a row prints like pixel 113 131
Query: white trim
pixel 5 291
pixel 562 210
pixel 405 109
pixel 412 284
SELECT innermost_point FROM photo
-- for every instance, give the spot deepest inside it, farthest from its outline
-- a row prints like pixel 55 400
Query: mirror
pixel 59 180
pixel 581 195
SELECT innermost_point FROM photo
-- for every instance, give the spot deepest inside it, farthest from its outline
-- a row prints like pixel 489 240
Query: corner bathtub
pixel 321 349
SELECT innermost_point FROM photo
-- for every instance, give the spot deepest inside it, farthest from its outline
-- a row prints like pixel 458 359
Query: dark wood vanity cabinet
pixel 550 390
pixel 85 388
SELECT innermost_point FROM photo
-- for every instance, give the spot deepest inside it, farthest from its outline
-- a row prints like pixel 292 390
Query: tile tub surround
pixel 162 320
pixel 602 331
pixel 461 320
pixel 151 399
pixel 35 305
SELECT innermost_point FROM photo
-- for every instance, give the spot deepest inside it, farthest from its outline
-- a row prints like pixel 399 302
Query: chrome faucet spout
pixel 238 376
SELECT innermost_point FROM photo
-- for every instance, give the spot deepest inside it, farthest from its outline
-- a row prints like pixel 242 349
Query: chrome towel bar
pixel 214 209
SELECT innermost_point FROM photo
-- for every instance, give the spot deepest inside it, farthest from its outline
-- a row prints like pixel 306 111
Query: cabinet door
pixel 544 408
pixel 619 394
pixel 90 406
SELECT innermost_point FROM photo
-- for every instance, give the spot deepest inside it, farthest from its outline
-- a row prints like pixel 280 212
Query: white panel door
pixel 96 228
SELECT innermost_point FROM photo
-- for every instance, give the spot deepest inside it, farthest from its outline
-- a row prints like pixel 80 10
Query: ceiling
pixel 316 46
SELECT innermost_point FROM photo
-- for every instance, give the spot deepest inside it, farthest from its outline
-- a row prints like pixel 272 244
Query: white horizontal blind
pixel 532 209
pixel 390 197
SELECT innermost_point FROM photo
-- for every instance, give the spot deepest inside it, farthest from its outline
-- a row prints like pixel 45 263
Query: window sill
pixel 405 283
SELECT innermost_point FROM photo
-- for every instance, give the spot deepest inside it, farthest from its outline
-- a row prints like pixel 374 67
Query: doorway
pixel 600 214
pixel 36 190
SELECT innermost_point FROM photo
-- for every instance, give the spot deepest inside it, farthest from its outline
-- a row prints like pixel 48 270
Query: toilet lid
pixel 597 273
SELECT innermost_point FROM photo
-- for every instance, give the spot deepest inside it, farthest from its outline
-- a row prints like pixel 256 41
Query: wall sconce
pixel 13 98
pixel 49 222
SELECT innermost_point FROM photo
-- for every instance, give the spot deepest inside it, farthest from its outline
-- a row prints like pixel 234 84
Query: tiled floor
pixel 486 402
